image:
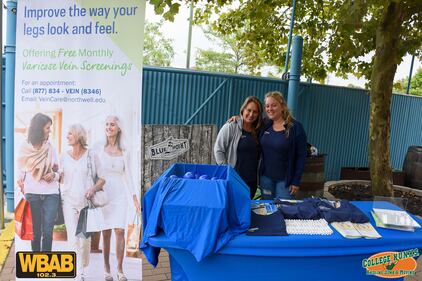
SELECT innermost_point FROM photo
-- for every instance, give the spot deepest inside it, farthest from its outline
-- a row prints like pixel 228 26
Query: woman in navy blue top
pixel 237 143
pixel 283 145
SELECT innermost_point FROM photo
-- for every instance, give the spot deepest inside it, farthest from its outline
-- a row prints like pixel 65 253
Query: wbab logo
pixel 391 264
pixel 45 265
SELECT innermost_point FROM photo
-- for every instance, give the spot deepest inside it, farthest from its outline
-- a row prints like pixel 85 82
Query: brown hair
pixel 287 116
pixel 36 128
pixel 258 122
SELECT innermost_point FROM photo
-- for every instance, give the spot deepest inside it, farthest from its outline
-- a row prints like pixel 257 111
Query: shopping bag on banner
pixel 133 238
pixel 94 220
pixel 81 227
pixel 23 220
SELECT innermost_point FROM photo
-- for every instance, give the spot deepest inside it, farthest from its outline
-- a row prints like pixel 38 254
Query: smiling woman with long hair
pixel 38 165
pixel 115 164
pixel 237 143
pixel 283 144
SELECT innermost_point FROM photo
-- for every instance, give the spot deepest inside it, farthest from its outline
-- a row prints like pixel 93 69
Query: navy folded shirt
pixel 267 225
pixel 316 208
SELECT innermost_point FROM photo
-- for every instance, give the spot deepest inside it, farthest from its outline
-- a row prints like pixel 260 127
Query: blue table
pixel 293 257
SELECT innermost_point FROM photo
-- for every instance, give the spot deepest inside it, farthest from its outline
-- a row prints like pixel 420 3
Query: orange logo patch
pixel 391 264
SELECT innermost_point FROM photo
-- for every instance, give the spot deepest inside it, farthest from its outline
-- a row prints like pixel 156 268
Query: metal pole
pixel 294 77
pixel 410 75
pixel 189 36
pixel 1 130
pixel 9 99
pixel 292 24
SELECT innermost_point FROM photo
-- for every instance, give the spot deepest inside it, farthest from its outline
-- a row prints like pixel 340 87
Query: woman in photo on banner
pixel 78 186
pixel 115 164
pixel 283 143
pixel 39 176
pixel 237 143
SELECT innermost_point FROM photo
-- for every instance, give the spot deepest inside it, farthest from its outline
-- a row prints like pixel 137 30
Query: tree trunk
pixel 382 77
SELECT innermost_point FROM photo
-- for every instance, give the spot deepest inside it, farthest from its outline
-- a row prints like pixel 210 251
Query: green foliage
pixel 337 35
pixel 211 60
pixel 158 50
pixel 230 60
pixel 400 86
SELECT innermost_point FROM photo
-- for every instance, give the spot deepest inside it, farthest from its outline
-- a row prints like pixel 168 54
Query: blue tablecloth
pixel 293 257
pixel 200 216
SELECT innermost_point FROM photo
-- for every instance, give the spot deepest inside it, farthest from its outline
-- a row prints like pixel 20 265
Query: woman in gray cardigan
pixel 237 143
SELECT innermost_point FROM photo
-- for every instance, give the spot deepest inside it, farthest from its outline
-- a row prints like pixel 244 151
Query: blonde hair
pixel 287 116
pixel 119 133
pixel 80 134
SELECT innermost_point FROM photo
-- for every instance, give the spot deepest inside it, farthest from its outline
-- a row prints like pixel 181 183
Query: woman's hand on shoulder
pixel 233 119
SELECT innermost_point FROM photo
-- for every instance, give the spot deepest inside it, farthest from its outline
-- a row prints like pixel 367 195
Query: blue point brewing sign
pixel 168 149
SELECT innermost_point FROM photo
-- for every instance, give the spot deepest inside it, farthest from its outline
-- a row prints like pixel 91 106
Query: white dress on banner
pixel 76 182
pixel 118 185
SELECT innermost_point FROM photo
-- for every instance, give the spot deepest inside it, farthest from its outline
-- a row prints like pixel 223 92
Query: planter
pixel 313 178
pixel 363 173
pixel 412 167
pixel 360 190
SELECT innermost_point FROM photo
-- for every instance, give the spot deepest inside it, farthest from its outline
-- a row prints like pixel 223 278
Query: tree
pixel 415 84
pixel 158 50
pixel 343 31
pixel 215 61
pixel 230 60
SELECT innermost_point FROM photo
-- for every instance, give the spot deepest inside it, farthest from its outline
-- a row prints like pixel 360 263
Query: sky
pixel 178 31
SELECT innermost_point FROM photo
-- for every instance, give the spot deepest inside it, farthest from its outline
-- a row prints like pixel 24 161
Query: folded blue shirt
pixel 267 225
pixel 316 208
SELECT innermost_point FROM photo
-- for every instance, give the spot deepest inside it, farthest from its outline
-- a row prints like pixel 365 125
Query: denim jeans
pixel 44 209
pixel 271 189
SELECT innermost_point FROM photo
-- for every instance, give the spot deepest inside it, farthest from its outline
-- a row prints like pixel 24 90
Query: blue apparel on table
pixel 275 151
pixel 316 208
pixel 295 257
pixel 301 211
pixel 266 220
pixel 248 152
pixel 200 216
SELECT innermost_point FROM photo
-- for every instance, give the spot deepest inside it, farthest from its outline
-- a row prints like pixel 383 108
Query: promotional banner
pixel 77 138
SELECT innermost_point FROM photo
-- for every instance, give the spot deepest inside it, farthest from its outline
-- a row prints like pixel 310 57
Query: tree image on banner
pixel 365 38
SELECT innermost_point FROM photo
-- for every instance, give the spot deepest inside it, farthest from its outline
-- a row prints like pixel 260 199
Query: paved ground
pixel 160 273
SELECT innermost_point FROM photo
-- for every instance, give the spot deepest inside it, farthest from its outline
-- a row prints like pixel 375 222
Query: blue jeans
pixel 44 209
pixel 271 189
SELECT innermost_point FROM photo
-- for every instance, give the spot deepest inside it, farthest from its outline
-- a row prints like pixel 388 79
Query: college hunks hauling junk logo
pixel 392 264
